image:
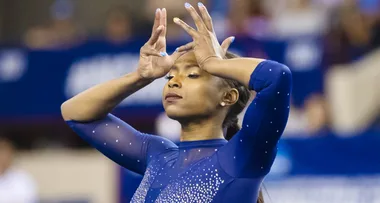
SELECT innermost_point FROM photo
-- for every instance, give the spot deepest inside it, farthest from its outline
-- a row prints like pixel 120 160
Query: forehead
pixel 189 62
pixel 188 59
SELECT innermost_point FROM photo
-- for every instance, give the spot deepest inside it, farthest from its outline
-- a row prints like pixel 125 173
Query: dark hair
pixel 231 120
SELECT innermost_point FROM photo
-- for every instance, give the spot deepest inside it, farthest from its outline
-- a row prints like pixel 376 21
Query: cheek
pixel 201 98
pixel 164 90
pixel 204 97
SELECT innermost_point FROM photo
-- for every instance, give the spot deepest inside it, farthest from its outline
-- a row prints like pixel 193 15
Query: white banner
pixel 323 190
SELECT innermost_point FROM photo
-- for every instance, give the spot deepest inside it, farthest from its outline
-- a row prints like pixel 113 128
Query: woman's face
pixel 191 92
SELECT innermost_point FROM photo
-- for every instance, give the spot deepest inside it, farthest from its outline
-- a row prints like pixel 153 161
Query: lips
pixel 172 97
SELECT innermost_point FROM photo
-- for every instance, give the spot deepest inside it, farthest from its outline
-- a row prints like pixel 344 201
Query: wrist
pixel 211 64
pixel 139 79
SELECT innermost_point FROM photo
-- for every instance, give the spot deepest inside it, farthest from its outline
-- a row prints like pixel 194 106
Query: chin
pixel 183 116
pixel 177 113
pixel 174 112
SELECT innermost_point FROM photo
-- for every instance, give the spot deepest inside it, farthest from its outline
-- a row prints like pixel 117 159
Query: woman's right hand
pixel 154 61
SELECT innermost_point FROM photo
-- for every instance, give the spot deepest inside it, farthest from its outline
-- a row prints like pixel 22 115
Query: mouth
pixel 171 97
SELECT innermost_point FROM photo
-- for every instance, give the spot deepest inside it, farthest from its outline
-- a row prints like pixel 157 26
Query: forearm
pixel 98 101
pixel 239 69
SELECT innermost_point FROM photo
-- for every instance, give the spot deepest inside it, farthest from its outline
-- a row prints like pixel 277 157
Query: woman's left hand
pixel 205 43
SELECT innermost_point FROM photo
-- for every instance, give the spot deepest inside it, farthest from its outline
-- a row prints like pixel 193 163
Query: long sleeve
pixel 122 143
pixel 251 152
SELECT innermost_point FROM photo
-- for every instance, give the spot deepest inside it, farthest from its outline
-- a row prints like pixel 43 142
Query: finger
pixel 185 47
pixel 163 21
pixel 156 20
pixel 197 19
pixel 206 17
pixel 177 54
pixel 156 34
pixel 153 52
pixel 191 31
pixel 226 43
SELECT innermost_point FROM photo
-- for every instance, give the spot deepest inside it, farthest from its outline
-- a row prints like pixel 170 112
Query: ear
pixel 230 97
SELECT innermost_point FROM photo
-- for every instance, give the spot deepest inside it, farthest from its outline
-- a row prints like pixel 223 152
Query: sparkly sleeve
pixel 251 152
pixel 121 143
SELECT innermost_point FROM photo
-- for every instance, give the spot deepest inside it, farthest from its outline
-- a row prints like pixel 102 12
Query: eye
pixel 193 75
pixel 168 77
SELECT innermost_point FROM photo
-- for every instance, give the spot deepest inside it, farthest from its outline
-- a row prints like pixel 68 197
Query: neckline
pixel 202 143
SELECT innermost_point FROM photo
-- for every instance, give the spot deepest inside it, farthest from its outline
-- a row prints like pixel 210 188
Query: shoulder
pixel 157 145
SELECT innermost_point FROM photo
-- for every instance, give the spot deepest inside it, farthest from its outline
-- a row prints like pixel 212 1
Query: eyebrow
pixel 188 65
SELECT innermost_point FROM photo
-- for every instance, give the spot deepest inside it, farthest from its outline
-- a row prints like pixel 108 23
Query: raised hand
pixel 205 43
pixel 154 61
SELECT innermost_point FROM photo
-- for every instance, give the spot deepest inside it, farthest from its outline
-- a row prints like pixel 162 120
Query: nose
pixel 174 82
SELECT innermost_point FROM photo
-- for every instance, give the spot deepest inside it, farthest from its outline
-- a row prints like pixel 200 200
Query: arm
pixel 96 102
pixel 251 152
pixel 88 115
pixel 121 143
pixel 88 112
pixel 241 71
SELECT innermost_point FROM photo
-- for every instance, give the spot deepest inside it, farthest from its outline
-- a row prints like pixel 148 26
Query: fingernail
pixel 200 4
pixel 157 10
pixel 187 5
pixel 176 19
pixel 163 53
pixel 177 49
pixel 233 39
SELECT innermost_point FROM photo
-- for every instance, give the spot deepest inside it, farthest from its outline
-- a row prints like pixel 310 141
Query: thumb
pixel 176 54
pixel 185 47
pixel 226 43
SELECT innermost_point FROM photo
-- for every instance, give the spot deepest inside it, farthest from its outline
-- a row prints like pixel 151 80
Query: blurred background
pixel 51 50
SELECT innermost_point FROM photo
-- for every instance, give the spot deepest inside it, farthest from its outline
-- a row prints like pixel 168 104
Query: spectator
pixel 61 32
pixel 257 23
pixel 248 18
pixel 118 28
pixel 354 34
pixel 300 17
pixel 316 115
pixel 175 8
pixel 238 14
pixel 16 186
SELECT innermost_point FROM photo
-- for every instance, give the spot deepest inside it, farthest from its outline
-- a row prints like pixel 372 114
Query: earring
pixel 222 104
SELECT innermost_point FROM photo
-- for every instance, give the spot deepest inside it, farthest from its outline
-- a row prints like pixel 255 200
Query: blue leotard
pixel 202 171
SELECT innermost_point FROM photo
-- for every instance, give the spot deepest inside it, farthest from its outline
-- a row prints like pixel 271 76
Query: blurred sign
pixel 324 189
pixel 12 65
pixel 37 82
